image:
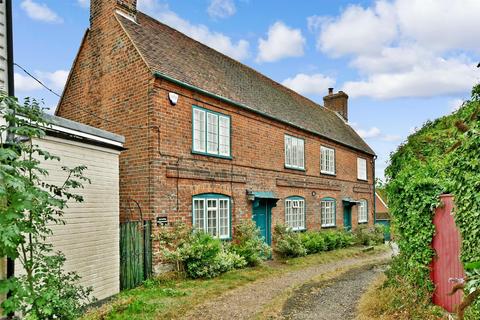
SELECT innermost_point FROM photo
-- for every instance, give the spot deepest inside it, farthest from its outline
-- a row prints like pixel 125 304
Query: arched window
pixel 211 213
pixel 363 211
pixel 328 208
pixel 295 213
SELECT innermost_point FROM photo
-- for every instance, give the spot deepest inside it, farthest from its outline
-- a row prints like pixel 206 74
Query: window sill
pixel 295 168
pixel 362 222
pixel 332 174
pixel 212 155
pixel 363 180
pixel 328 226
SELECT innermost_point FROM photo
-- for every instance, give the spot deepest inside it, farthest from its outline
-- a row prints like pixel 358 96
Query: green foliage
pixel 369 236
pixel 249 244
pixel 442 157
pixel 287 242
pixel 313 242
pixel 198 254
pixel 29 207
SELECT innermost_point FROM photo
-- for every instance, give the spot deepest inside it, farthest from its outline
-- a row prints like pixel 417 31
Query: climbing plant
pixel 442 157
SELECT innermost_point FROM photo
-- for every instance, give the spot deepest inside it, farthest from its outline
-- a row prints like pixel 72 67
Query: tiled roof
pixel 171 53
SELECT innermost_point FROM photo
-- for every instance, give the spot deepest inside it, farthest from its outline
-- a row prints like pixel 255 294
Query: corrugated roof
pixel 171 53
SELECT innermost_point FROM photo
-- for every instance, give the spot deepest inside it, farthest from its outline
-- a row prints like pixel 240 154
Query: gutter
pixel 185 85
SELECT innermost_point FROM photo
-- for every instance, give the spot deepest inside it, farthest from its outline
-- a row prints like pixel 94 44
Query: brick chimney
pixel 337 102
pixel 101 10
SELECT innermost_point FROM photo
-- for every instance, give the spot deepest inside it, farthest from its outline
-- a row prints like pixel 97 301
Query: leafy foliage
pixel 442 157
pixel 249 244
pixel 287 242
pixel 29 207
pixel 368 236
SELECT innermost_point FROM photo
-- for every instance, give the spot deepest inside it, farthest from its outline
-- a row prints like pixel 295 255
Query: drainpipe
pixel 374 193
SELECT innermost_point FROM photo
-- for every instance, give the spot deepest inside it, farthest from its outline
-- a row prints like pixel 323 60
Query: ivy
pixel 442 157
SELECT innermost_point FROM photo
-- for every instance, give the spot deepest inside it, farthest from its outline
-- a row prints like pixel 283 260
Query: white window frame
pixel 220 207
pixel 327 160
pixel 295 213
pixel 328 214
pixel 294 152
pixel 362 211
pixel 362 169
pixel 211 133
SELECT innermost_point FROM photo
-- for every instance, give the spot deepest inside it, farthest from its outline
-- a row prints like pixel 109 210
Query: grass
pixel 169 297
pixel 399 302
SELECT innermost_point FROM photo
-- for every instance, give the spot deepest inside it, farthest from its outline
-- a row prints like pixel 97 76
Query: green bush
pixel 369 236
pixel 288 243
pixel 313 241
pixel 332 240
pixel 249 244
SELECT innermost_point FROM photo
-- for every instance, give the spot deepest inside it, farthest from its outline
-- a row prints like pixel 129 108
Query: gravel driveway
pixel 336 299
pixel 245 302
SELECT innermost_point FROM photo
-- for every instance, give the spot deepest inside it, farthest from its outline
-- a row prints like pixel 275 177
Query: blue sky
pixel 402 62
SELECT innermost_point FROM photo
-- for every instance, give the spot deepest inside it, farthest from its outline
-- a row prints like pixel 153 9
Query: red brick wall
pixel 109 88
pixel 159 171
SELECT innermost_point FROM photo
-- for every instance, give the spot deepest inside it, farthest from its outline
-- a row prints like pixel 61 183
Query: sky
pixel 402 62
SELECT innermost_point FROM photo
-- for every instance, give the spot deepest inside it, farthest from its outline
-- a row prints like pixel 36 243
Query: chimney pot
pixel 330 91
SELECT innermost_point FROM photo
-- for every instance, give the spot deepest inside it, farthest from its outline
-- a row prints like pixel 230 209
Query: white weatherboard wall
pixel 90 237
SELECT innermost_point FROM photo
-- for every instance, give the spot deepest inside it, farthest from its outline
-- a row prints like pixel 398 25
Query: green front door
pixel 262 215
pixel 347 217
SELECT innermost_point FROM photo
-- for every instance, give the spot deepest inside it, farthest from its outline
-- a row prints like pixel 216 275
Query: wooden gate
pixel 446 264
pixel 135 253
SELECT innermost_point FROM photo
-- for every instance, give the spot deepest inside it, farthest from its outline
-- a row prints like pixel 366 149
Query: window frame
pixel 205 150
pixel 289 166
pixel 205 197
pixel 322 223
pixel 362 202
pixel 328 149
pixel 358 169
pixel 291 199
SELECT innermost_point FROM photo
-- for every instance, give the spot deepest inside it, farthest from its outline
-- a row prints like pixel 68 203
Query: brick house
pixel 209 140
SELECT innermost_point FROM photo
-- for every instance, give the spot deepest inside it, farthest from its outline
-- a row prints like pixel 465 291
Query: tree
pixel 29 206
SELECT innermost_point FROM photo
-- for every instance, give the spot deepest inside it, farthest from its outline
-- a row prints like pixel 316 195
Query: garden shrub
pixel 369 235
pixel 332 240
pixel 313 241
pixel 288 243
pixel 249 244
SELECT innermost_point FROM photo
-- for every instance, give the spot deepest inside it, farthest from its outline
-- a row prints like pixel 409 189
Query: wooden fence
pixel 446 264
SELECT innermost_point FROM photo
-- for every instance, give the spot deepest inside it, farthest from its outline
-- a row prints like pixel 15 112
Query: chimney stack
pixel 337 102
pixel 102 10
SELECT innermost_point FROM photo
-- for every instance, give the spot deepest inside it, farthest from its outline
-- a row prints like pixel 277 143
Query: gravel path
pixel 245 302
pixel 336 299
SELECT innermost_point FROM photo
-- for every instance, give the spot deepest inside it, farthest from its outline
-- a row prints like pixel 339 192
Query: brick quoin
pixel 111 87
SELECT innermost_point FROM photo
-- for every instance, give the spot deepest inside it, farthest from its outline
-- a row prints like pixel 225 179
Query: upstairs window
pixel 294 153
pixel 211 133
pixel 361 169
pixel 327 212
pixel 211 214
pixel 295 213
pixel 362 211
pixel 327 160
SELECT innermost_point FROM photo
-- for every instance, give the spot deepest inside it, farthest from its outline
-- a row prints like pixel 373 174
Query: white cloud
pixel 40 12
pixel 373 132
pixel 221 8
pixel 405 48
pixel 218 41
pixel 84 3
pixel 309 84
pixel 55 80
pixel 282 42
pixel 25 83
pixel 358 30
pixel 426 79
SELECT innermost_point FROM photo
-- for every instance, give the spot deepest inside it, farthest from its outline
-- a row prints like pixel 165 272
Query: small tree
pixel 29 206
